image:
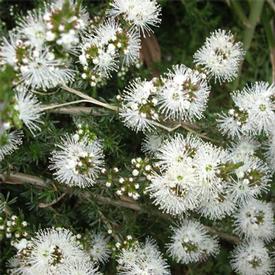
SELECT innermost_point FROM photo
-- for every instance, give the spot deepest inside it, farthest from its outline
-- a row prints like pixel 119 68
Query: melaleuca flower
pixel 251 258
pixel 250 179
pixel 142 259
pixel 220 56
pixel 77 161
pixel 173 191
pixel 141 13
pixel 176 149
pixel 219 205
pixel 99 250
pixel 191 242
pixel 36 67
pixel 126 43
pixel 253 113
pixel 246 146
pixel 9 142
pixel 184 94
pixel 65 20
pixel 29 110
pixel 255 220
pixel 47 251
pixel 79 267
pixel 139 101
pixel 98 60
pixel 208 162
pixel 152 143
pixel 33 28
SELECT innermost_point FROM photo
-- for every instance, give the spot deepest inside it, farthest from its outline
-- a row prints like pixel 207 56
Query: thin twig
pixel 55 106
pixel 20 178
pixel 46 205
pixel 90 99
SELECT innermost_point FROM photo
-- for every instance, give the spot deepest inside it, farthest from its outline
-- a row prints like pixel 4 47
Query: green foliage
pixel 185 24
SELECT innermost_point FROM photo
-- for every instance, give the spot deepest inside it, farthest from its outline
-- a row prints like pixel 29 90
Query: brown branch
pixel 20 178
pixel 46 205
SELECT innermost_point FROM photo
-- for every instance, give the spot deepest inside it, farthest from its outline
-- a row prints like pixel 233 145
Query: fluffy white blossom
pixel 191 242
pixel 251 258
pixel 246 146
pixel 217 206
pixel 47 251
pixel 143 14
pixel 142 259
pixel 253 112
pixel 220 56
pixel 250 179
pixel 77 162
pixel 152 143
pixel 33 28
pixel 208 162
pixel 175 149
pixel 184 94
pixel 99 250
pixel 9 142
pixel 139 101
pixel 173 191
pixel 29 109
pixel 36 67
pixel 255 220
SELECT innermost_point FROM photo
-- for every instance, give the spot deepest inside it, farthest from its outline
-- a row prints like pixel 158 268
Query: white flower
pixel 45 72
pixel 77 162
pixel 33 28
pixel 219 205
pixel 29 109
pixel 184 94
pixel 250 179
pixel 132 51
pixel 152 143
pixel 106 32
pixel 251 259
pixel 190 242
pixel 254 112
pixel 78 267
pixel 36 67
pixel 246 146
pixel 220 56
pixel 174 150
pixel 141 13
pixel 138 109
pixel 99 250
pixel 173 191
pixel 208 162
pixel 142 259
pixel 47 251
pixel 9 142
pixel 255 220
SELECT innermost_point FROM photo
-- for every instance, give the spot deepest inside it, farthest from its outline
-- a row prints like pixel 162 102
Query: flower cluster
pixel 190 242
pixel 78 160
pixel 13 228
pixel 48 44
pixel 181 94
pixel 142 259
pixel 196 175
pixel 21 109
pixel 220 56
pixel 253 112
pixel 51 251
